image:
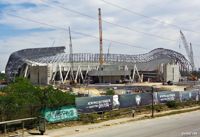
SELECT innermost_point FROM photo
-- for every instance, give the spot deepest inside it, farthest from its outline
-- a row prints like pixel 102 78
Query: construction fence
pixel 97 105
pixel 107 103
pixel 100 104
pixel 90 109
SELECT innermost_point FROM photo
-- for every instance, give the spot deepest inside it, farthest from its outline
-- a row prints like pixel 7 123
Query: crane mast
pixel 189 50
pixel 192 56
pixel 71 55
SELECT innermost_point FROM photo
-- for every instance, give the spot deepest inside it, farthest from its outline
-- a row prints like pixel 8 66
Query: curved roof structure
pixel 50 55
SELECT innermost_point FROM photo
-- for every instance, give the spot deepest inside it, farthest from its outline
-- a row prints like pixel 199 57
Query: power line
pixel 28 41
pixel 118 25
pixel 76 32
pixel 145 16
pixel 121 26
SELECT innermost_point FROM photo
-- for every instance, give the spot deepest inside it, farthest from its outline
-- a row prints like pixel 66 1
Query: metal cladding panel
pixel 134 100
pixel 166 96
pixel 94 104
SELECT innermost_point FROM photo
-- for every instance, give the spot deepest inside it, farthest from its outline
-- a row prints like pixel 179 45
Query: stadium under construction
pixel 52 65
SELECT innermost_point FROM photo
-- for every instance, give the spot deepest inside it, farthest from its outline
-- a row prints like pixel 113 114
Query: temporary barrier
pixel 133 100
pixel 127 100
pixel 185 96
pixel 106 103
pixel 189 95
pixel 64 113
pixel 194 95
pixel 95 104
pixel 165 96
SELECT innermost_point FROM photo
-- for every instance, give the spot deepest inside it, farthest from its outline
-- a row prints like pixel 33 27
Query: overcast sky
pixel 129 26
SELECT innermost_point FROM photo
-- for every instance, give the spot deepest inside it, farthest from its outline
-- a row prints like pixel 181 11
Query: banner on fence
pixel 189 95
pixel 64 113
pixel 194 95
pixel 166 96
pixel 127 100
pixel 106 103
pixel 96 104
pixel 133 100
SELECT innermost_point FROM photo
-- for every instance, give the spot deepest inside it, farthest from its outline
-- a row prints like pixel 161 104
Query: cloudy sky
pixel 129 26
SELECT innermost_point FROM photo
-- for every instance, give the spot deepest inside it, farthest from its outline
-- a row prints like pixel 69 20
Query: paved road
pixel 181 125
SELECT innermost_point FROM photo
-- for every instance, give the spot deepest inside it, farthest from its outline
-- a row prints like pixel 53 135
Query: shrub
pixel 173 104
pixel 160 107
pixel 89 118
pixel 110 92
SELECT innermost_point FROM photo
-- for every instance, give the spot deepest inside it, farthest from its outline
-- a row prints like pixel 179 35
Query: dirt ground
pixel 85 128
pixel 92 91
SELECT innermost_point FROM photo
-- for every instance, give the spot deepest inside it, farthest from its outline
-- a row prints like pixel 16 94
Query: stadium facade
pixel 52 65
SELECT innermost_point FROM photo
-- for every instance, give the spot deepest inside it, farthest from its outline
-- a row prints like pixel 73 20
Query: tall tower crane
pixel 71 55
pixel 189 50
pixel 192 56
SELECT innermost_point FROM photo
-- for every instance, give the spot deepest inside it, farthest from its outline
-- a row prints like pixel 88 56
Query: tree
pixel 2 76
pixel 22 99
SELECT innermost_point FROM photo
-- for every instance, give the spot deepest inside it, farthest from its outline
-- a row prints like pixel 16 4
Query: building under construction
pixel 52 65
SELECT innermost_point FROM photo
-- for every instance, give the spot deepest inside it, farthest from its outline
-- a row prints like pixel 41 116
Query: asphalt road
pixel 181 125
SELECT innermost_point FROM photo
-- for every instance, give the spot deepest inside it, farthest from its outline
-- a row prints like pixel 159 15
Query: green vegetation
pixel 89 118
pixel 22 99
pixel 172 104
pixel 110 92
pixel 2 76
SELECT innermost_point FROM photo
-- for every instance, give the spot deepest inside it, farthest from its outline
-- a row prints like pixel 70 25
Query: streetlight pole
pixel 152 103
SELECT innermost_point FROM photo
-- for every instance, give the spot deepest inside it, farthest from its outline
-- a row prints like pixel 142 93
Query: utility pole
pixel 101 60
pixel 152 103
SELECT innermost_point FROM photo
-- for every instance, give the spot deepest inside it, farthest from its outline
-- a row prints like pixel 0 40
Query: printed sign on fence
pixel 95 104
pixel 166 96
pixel 146 98
pixel 133 100
pixel 185 96
pixel 127 100
pixel 190 95
pixel 61 114
pixel 195 95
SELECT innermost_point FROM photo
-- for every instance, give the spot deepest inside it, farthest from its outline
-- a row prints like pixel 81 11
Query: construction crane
pixel 71 57
pixel 192 56
pixel 109 49
pixel 189 50
pixel 53 43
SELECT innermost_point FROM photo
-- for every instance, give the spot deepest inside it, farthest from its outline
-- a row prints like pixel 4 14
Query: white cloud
pixel 20 1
